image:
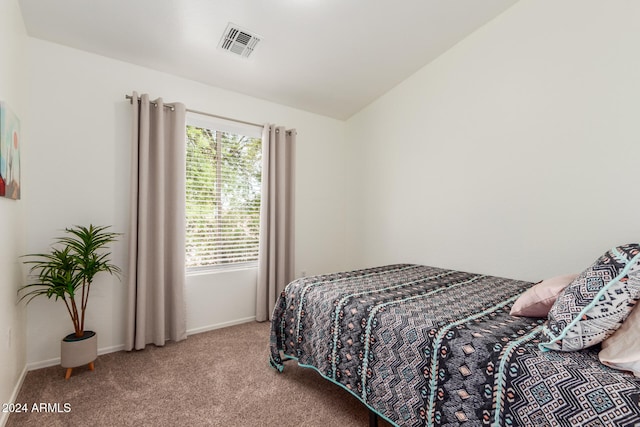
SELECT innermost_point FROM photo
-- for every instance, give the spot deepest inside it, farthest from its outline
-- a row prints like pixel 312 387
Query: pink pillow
pixel 537 300
pixel 622 349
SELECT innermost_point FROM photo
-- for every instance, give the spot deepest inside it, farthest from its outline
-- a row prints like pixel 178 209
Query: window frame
pixel 228 126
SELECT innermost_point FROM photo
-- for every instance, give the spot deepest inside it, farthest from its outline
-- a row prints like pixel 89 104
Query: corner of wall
pixel 13 41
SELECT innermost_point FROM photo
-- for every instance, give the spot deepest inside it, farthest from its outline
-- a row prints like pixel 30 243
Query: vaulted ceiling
pixel 331 57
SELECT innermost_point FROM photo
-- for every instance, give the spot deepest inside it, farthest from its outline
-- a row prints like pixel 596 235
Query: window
pixel 224 167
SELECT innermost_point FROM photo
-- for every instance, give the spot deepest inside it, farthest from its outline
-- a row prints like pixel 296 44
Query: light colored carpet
pixel 217 378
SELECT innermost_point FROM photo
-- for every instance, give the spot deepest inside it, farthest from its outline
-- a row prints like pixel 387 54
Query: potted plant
pixel 66 273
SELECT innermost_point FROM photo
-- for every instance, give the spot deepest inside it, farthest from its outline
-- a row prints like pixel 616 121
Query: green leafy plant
pixel 68 270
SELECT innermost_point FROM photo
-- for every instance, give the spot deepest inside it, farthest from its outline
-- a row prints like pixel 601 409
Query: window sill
pixel 202 271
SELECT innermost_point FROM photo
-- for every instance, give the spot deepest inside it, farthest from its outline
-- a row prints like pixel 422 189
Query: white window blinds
pixel 224 166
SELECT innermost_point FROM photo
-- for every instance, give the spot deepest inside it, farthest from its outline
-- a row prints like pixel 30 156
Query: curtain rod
pixel 130 98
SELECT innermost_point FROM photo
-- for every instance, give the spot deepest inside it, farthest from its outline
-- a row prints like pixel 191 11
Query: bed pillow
pixel 539 298
pixel 596 303
pixel 622 349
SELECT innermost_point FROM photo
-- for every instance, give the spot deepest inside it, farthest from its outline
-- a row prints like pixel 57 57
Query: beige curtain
pixel 276 253
pixel 156 306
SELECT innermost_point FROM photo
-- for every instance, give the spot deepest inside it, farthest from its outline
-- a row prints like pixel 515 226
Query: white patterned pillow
pixel 596 303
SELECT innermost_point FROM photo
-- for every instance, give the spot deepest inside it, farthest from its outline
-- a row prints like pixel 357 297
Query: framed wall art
pixel 9 153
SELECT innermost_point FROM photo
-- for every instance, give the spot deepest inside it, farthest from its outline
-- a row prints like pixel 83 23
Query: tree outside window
pixel 223 197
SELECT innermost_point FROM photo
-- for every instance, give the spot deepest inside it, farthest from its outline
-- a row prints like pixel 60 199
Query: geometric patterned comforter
pixel 424 346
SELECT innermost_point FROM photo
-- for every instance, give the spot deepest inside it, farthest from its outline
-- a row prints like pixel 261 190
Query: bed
pixel 425 346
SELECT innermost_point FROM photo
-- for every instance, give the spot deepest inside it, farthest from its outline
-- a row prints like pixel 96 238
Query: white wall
pixel 13 41
pixel 514 153
pixel 79 173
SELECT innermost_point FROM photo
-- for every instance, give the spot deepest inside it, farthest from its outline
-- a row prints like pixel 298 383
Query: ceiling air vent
pixel 239 41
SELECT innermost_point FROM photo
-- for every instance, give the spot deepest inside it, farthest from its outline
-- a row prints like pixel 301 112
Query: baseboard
pixel 112 349
pixel 220 325
pixel 4 416
pixel 43 364
pixel 56 361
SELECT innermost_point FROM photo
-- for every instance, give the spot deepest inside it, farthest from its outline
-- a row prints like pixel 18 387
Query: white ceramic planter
pixel 76 352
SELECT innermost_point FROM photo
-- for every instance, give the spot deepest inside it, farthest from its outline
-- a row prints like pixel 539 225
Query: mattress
pixel 425 346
